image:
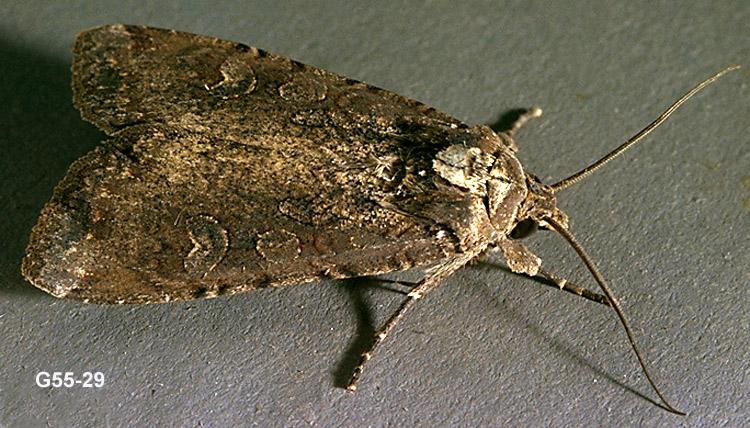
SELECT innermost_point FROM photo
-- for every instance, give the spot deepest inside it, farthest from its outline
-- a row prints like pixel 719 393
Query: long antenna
pixel 613 302
pixel 567 182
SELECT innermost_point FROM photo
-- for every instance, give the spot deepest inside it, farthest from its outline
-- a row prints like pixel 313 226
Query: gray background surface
pixel 668 224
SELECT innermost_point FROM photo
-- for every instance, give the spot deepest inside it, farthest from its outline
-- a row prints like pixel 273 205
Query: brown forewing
pixel 230 169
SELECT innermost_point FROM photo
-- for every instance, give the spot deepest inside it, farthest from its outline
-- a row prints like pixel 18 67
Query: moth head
pixel 538 208
pixel 539 204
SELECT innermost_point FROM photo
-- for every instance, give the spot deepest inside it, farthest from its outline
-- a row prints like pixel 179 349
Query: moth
pixel 229 169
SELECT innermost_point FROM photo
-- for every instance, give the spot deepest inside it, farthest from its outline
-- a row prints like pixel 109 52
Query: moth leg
pixel 525 262
pixel 507 136
pixel 399 286
pixel 570 287
pixel 522 261
pixel 522 119
pixel 433 278
pixel 519 258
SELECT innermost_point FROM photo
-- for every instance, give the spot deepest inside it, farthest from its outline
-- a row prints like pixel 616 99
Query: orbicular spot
pixel 238 78
pixel 303 90
pixel 210 244
pixel 278 245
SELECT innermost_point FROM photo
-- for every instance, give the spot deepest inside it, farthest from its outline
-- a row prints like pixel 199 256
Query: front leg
pixel 507 135
pixel 519 258
pixel 570 287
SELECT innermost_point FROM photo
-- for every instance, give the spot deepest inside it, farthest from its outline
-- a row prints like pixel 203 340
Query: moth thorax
pixel 506 190
pixel 465 167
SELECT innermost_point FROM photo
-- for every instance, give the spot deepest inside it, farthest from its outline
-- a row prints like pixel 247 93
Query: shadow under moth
pixel 229 169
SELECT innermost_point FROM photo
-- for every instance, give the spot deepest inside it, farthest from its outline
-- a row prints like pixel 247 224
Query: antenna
pixel 580 175
pixel 559 228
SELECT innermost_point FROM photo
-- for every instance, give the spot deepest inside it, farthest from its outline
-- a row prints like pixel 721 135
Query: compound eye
pixel 524 228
